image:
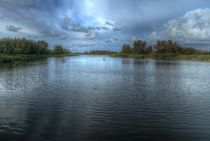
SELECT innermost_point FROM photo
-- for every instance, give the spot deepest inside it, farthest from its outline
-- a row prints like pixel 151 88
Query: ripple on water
pixel 87 98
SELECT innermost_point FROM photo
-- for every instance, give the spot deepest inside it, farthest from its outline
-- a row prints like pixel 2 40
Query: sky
pixel 84 25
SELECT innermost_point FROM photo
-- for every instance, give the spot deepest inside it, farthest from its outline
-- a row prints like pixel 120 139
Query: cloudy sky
pixel 83 25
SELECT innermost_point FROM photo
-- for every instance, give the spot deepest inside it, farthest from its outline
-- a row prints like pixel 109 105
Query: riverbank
pixel 165 56
pixel 13 59
pixel 18 58
pixel 7 58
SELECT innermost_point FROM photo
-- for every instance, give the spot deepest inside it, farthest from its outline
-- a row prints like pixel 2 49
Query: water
pixel 88 98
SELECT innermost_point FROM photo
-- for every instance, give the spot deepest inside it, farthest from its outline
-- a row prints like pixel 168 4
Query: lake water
pixel 99 98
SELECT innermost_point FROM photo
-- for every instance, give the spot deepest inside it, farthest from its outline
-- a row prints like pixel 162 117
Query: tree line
pixel 100 52
pixel 29 47
pixel 164 46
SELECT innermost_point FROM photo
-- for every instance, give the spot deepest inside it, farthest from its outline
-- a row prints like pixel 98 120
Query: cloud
pixel 91 35
pixel 194 25
pixel 79 28
pixel 33 37
pixel 2 17
pixel 63 37
pixel 116 29
pixel 110 23
pixel 53 33
pixel 108 40
pixel 19 2
pixel 113 25
pixel 105 28
pixel 115 39
pixel 97 20
pixel 13 28
pixel 112 40
pixel 70 25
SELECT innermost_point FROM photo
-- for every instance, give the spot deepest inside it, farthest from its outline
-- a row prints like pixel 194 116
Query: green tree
pixel 23 46
pixel 126 49
pixel 139 47
pixel 167 47
pixel 58 49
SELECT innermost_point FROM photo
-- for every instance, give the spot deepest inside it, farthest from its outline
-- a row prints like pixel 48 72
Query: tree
pixel 42 47
pixel 167 47
pixel 139 47
pixel 148 50
pixel 58 49
pixel 126 49
pixel 23 46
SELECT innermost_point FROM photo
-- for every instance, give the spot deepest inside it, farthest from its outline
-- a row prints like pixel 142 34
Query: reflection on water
pixel 92 98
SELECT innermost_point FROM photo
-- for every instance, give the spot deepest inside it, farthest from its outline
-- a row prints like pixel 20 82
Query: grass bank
pixel 205 58
pixel 7 58
pixel 64 55
pixel 18 58
pixel 165 56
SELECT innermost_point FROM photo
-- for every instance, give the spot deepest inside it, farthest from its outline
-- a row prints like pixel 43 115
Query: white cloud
pixel 194 25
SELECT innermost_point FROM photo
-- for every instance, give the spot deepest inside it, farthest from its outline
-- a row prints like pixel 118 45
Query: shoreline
pixel 22 58
pixel 195 57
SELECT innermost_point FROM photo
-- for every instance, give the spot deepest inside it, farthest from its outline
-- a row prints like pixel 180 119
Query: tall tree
pixel 139 47
pixel 126 49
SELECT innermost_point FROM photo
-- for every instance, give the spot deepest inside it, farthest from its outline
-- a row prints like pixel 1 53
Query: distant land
pixel 21 50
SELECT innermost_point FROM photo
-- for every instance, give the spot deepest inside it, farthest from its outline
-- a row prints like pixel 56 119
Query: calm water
pixel 94 99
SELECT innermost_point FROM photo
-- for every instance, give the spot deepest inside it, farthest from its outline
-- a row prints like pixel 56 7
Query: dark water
pixel 95 99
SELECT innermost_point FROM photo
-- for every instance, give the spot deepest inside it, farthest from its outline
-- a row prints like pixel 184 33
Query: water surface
pixel 99 98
